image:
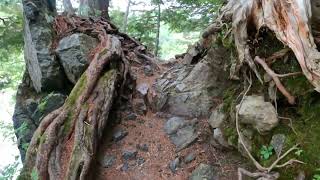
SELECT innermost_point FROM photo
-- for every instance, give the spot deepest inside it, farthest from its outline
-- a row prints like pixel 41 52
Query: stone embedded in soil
pixel 277 142
pixel 217 117
pixel 125 166
pixel 258 113
pixel 220 139
pixel 189 158
pixel 143 89
pixel 148 70
pixel 247 137
pixel 129 154
pixel 174 165
pixel 173 124
pixel 181 132
pixel 108 161
pixel 119 134
pixel 203 172
pixel 140 161
pixel 143 147
pixel 131 116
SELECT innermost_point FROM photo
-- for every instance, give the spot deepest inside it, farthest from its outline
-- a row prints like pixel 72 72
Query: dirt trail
pixel 153 164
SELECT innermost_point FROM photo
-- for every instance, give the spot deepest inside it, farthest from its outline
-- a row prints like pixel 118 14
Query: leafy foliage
pixel 11 44
pixel 190 15
pixel 266 152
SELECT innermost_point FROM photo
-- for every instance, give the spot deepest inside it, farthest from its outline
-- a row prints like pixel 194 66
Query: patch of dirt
pixel 149 130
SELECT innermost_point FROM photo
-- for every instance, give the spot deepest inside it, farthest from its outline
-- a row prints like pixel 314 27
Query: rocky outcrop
pixel 189 90
pixel 43 67
pixel 258 113
pixel 73 52
pixel 30 108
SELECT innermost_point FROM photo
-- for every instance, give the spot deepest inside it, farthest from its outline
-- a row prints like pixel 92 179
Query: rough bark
pixel 289 20
pixel 68 7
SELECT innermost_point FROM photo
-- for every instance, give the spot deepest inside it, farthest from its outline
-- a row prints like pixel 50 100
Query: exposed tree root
pixel 276 79
pixel 289 20
pixel 65 144
pixel 265 171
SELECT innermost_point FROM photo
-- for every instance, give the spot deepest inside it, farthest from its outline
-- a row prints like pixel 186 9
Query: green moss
pixel 77 91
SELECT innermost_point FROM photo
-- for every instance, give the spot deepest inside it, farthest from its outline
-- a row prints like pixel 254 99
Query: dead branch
pixel 267 176
pixel 276 79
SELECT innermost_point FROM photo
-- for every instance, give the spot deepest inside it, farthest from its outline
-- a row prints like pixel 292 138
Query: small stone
pixel 143 147
pixel 174 165
pixel 140 161
pixel 119 135
pixel 203 172
pixel 189 158
pixel 143 89
pixel 131 116
pixel 217 117
pixel 219 138
pixel 129 154
pixel 277 142
pixel 108 161
pixel 125 166
pixel 148 70
pixel 173 124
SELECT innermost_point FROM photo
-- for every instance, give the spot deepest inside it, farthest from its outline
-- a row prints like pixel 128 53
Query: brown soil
pixel 149 130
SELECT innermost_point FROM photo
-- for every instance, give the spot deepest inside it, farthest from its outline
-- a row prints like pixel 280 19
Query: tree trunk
pixel 126 15
pixel 103 7
pixel 290 21
pixel 156 52
pixel 68 7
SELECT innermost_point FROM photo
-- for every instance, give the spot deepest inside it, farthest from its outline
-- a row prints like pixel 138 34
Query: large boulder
pixel 44 69
pixel 189 90
pixel 258 113
pixel 73 52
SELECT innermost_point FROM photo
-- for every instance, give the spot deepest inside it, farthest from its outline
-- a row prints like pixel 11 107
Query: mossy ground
pixel 305 114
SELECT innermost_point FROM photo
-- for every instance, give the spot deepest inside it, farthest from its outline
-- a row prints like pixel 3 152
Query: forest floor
pixel 153 161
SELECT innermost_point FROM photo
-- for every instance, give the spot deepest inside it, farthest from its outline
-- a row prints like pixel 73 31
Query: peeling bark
pixel 289 20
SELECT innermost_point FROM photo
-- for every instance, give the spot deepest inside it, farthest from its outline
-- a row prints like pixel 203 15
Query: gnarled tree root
pixel 65 144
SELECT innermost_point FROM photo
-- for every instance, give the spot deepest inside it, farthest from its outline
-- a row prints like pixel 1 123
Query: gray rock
pixel 173 124
pixel 129 154
pixel 140 161
pixel 31 106
pixel 108 161
pixel 44 69
pixel 119 134
pixel 220 139
pixel 189 158
pixel 203 172
pixel 247 136
pixel 174 165
pixel 181 132
pixel 48 104
pixel 258 113
pixel 143 147
pixel 125 167
pixel 188 90
pixel 277 142
pixel 139 106
pixel 131 116
pixel 217 117
pixel 73 53
pixel 143 89
pixel 148 70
